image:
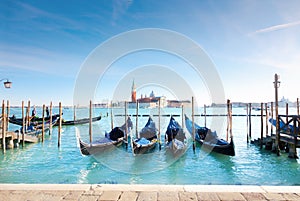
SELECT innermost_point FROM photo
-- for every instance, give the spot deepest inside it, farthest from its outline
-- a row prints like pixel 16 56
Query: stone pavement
pixel 78 192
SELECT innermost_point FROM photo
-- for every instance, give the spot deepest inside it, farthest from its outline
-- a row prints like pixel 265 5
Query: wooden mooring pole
pixel 298 106
pixel 27 115
pixel 276 86
pixel 3 128
pixel 267 117
pixel 272 117
pixel 90 123
pixel 136 119
pixel 204 115
pixel 287 113
pixel 228 118
pixel 111 116
pixel 7 114
pixel 250 125
pixel 230 130
pixel 247 117
pixel 126 125
pixel 43 123
pixel 59 125
pixel 193 123
pixel 159 137
pixel 293 146
pixel 50 118
pixel 182 117
pixel 23 125
pixel 261 125
pixel 74 113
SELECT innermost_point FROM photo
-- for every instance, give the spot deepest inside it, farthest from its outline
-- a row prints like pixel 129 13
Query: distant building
pixel 146 102
pixel 177 103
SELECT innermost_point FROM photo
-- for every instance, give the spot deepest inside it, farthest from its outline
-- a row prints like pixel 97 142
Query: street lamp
pixel 7 83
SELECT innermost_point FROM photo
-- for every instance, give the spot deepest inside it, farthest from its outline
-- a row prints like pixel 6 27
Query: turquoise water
pixel 46 163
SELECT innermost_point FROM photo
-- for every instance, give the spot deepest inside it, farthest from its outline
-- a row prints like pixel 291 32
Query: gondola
pixel 111 140
pixel 38 129
pixel 80 121
pixel 282 126
pixel 34 121
pixel 175 138
pixel 147 138
pixel 210 139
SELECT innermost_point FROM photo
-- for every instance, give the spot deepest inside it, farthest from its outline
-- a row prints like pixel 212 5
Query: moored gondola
pixel 112 139
pixel 209 139
pixel 37 130
pixel 176 141
pixel 147 138
pixel 80 121
pixel 36 120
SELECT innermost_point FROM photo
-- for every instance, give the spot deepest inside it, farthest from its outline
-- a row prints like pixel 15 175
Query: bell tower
pixel 133 92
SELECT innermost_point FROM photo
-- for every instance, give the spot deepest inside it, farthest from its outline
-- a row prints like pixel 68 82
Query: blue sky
pixel 43 45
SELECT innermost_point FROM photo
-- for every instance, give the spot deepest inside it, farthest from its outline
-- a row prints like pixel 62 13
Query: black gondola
pixel 80 121
pixel 112 139
pixel 37 130
pixel 36 120
pixel 147 138
pixel 210 139
pixel 175 138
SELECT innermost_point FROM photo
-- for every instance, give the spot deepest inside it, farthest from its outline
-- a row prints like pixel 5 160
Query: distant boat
pixel 175 138
pixel 147 140
pixel 210 139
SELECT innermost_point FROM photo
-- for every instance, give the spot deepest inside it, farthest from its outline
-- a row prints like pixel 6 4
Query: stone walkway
pixel 78 192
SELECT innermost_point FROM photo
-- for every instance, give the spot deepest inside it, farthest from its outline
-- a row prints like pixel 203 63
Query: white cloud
pixel 275 28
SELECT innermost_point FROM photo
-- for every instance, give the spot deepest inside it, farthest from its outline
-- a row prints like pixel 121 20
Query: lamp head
pixel 7 84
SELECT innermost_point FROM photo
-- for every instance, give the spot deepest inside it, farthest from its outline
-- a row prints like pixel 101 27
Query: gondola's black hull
pixel 226 149
pixel 79 121
pixel 97 148
pixel 34 120
pixel 221 149
pixel 63 123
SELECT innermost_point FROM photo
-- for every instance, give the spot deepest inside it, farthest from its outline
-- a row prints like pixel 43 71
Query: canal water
pixel 46 163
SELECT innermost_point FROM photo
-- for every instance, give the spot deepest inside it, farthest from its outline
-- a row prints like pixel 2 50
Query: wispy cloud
pixel 37 60
pixel 275 28
pixel 119 8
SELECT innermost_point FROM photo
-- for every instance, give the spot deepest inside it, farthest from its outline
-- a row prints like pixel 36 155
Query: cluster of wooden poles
pixel 27 120
pixel 264 108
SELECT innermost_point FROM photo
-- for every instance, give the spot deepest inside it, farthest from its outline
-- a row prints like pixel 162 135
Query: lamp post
pixel 276 86
pixel 7 83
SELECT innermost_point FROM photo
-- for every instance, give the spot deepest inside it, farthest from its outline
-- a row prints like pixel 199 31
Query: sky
pixel 44 45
